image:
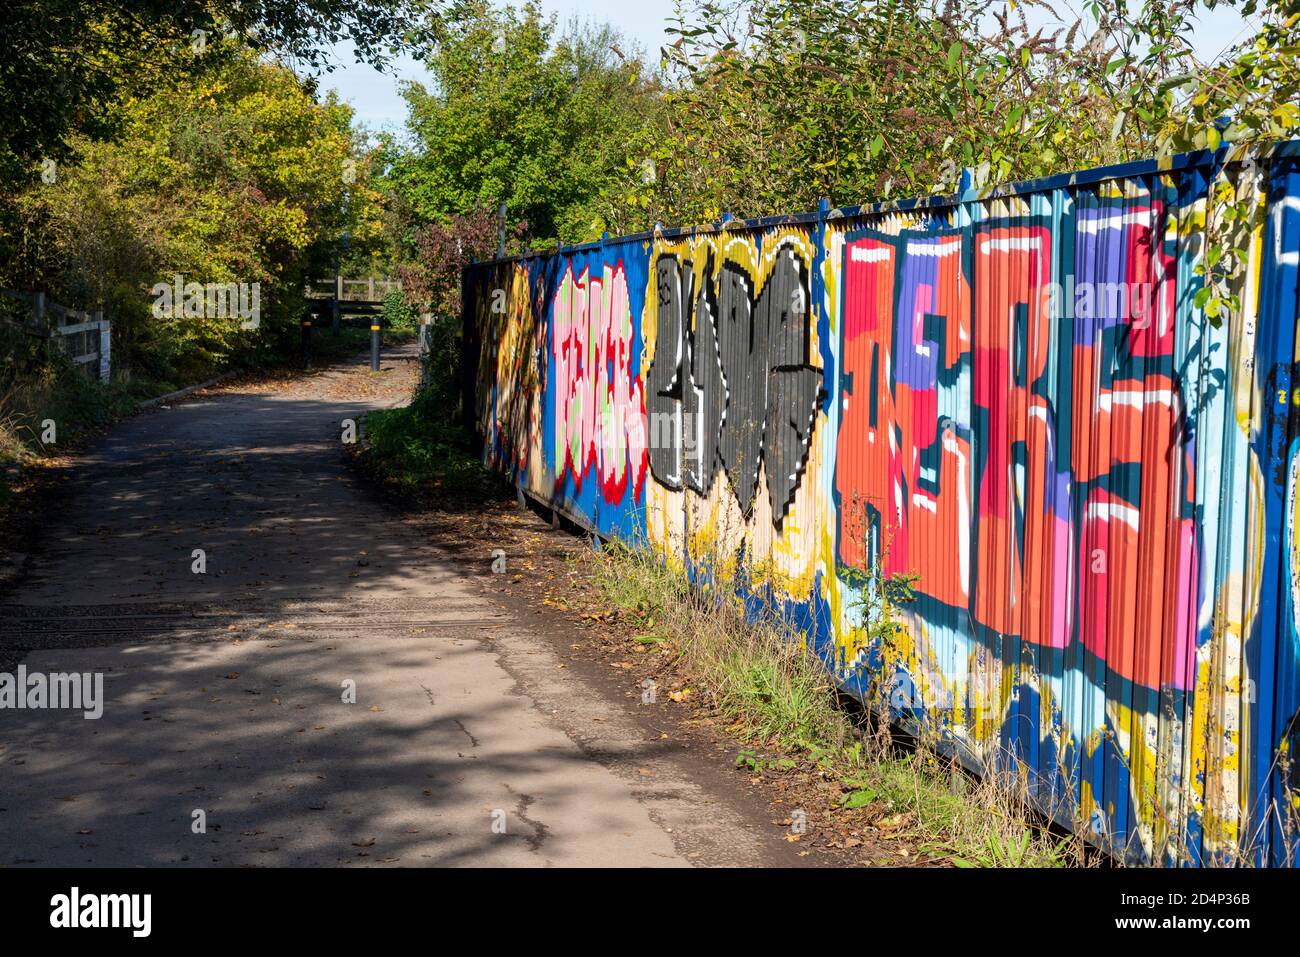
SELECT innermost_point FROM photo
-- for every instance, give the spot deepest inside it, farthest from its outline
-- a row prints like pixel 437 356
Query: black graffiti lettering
pixel 665 385
pixel 735 369
pixel 794 386
pixel 705 402
pixel 742 345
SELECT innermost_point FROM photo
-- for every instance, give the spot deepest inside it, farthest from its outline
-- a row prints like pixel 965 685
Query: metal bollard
pixel 374 346
pixel 306 341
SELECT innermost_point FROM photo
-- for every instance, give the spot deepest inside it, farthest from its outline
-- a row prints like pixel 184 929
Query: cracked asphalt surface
pixel 227 737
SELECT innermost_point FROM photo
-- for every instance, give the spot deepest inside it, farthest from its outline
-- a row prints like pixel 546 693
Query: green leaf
pixel 857 799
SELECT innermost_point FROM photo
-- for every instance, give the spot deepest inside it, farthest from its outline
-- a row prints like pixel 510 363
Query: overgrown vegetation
pixel 762 107
pixel 67 66
pixel 237 174
pixel 422 451
pixel 772 104
pixel 47 403
pixel 76 403
pixel 226 166
pixel 761 676
pixel 522 113
pixel 398 316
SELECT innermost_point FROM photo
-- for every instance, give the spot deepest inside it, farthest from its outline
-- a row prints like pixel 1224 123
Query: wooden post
pixel 371 294
pixel 38 307
pixel 335 315
pixel 306 340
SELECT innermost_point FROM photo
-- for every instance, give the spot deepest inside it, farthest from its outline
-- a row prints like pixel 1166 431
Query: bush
pixel 398 316
pixel 423 451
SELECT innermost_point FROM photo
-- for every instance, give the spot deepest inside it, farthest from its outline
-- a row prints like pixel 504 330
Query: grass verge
pixel 42 413
pixel 781 701
pixel 418 453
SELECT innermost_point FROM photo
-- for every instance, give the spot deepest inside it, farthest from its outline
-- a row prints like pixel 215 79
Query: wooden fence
pixel 369 289
pixel 86 337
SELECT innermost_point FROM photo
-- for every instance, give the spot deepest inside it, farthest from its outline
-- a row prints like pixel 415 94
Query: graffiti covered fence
pixel 1013 396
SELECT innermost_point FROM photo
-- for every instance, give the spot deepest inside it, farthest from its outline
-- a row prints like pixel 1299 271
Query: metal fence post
pixel 105 345
pixel 468 351
pixel 426 330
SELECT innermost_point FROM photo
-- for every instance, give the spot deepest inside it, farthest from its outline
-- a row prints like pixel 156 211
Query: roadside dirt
pixel 549 581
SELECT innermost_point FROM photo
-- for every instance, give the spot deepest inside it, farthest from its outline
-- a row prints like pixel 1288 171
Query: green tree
pixel 515 114
pixel 237 173
pixel 1249 96
pixel 63 63
pixel 773 104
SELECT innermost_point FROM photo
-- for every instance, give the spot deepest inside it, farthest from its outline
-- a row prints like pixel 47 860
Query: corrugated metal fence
pixel 1012 395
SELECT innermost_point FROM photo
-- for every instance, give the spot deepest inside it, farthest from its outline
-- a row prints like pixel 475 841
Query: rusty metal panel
pixel 1015 397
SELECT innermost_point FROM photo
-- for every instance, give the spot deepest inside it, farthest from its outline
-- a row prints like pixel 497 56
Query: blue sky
pixel 374 95
pixel 375 98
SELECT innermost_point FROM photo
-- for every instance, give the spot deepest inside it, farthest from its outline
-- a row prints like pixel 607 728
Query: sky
pixel 374 95
pixel 375 98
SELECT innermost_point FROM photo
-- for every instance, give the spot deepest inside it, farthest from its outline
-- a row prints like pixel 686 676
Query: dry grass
pixel 761 676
